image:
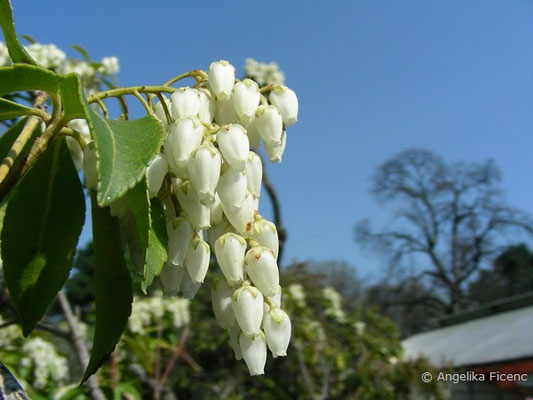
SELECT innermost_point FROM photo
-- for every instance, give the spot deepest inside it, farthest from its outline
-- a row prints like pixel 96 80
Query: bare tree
pixel 452 220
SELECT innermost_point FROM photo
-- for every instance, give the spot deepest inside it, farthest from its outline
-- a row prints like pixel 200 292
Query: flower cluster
pixel 146 312
pixel 50 56
pixel 47 364
pixel 263 73
pixel 334 301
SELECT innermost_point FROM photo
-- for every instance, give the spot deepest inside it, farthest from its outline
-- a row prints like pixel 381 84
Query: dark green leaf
pixel 124 149
pixel 156 254
pixel 22 77
pixel 16 51
pixel 112 282
pixel 10 109
pixel 140 208
pixel 72 97
pixel 43 221
pixel 28 38
pixel 82 51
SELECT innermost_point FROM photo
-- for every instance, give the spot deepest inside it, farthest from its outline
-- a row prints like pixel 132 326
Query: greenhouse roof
pixel 490 339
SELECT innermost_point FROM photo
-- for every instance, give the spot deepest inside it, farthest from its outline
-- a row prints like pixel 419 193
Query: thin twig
pixel 124 106
pixel 102 107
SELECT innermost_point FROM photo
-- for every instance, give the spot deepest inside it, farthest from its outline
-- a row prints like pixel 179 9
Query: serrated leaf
pixel 10 109
pixel 43 221
pixel 82 51
pixel 22 77
pixel 156 254
pixel 72 97
pixel 113 287
pixel 124 149
pixel 16 50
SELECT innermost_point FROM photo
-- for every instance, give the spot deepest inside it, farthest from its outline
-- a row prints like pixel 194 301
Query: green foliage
pixel 156 253
pixel 16 51
pixel 10 110
pixel 112 285
pixel 49 224
pixel 23 77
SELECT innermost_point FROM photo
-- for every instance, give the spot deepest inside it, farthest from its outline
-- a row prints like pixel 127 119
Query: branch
pixel 79 344
pixel 305 373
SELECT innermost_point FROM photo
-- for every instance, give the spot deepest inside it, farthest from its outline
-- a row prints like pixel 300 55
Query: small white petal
pixel 254 352
pixel 155 173
pixel 277 326
pixel 266 234
pixel 221 294
pixel 229 252
pixel 234 145
pixel 269 124
pixel 179 235
pixel 160 112
pixel 221 77
pixel 246 99
pixel 231 188
pixel 196 212
pixel 184 137
pixel 185 102
pixel 275 151
pixel 247 303
pixel 197 259
pixel 254 173
pixel 242 218
pixel 189 287
pixel 204 172
pixel 218 230
pixel 171 277
pixel 263 270
pixel 207 106
pixel 286 101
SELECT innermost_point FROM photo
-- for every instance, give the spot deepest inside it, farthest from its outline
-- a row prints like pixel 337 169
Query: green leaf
pixel 72 97
pixel 124 149
pixel 10 109
pixel 82 51
pixel 16 51
pixel 113 288
pixel 140 208
pixel 9 136
pixel 22 77
pixel 42 224
pixel 30 39
pixel 156 254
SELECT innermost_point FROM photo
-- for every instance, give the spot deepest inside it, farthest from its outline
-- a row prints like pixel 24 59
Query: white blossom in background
pixel 47 364
pixel 296 293
pixel 4 55
pixel 334 302
pixel 263 73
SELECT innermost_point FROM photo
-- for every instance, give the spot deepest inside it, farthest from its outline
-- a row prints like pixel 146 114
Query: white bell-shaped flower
pixel 234 145
pixel 221 294
pixel 171 276
pixel 204 172
pixel 266 234
pixel 262 269
pixel 254 352
pixel 225 112
pixel 89 166
pixel 231 188
pixel 155 173
pixel 245 99
pixel 206 112
pixel 269 124
pixel 247 303
pixel 276 300
pixel 160 112
pixel 221 77
pixel 180 233
pixel 196 212
pixel 277 326
pixel 229 252
pixel 254 173
pixel 185 102
pixel 189 287
pixel 216 213
pixel 274 151
pixel 197 259
pixel 234 333
pixel 218 230
pixel 286 101
pixel 253 135
pixel 242 218
pixel 184 137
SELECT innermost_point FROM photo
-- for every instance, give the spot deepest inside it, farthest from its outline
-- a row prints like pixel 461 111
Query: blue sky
pixel 373 78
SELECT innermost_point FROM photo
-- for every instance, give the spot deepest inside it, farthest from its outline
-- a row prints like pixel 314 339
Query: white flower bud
pixel 221 77
pixel 155 173
pixel 204 172
pixel 218 230
pixel 184 137
pixel 221 294
pixel 197 259
pixel 231 188
pixel 229 252
pixel 242 218
pixel 266 234
pixel 234 334
pixel 263 270
pixel 171 277
pixel 286 101
pixel 275 152
pixel 245 99
pixel 196 212
pixel 254 352
pixel 89 166
pixel 179 235
pixel 254 173
pixel 269 124
pixel 253 135
pixel 185 102
pixel 277 326
pixel 216 213
pixel 225 112
pixel 207 106
pixel 234 145
pixel 247 303
pixel 189 287
pixel 160 112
